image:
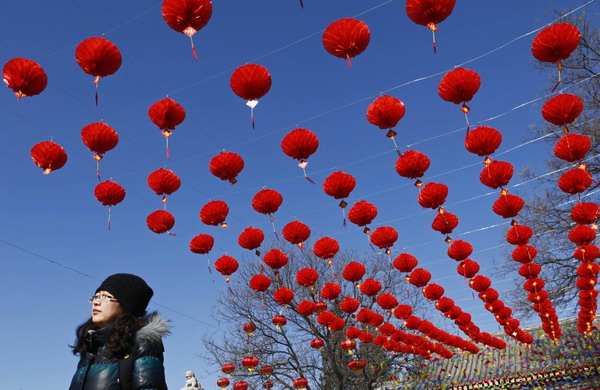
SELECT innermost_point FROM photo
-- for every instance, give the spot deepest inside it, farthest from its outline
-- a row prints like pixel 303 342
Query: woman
pixel 119 344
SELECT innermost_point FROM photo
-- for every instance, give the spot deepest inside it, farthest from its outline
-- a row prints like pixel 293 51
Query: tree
pixel 548 212
pixel 288 349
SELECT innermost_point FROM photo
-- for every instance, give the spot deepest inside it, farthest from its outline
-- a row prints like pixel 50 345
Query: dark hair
pixel 120 340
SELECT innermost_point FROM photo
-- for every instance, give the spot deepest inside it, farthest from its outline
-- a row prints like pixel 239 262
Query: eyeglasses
pixel 102 298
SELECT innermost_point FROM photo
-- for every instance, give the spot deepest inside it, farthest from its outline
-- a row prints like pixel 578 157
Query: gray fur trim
pixel 155 329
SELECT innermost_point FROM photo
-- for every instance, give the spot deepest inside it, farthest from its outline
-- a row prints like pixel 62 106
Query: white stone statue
pixel 191 382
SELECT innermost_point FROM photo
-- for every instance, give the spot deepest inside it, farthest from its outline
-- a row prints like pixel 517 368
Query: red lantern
pixel 534 284
pixel 459 86
pixel 223 383
pixel 251 238
pixel 250 362
pixel 444 304
pixel 405 262
pixel 468 268
pixel 109 193
pixel 387 301
pixel 519 235
pixel 419 277
pixel 300 383
pixel 307 277
pixel 385 112
pixel 226 166
pixel 296 233
pixel 98 57
pixel 278 321
pixel 582 235
pixel 299 144
pixel 433 291
pixel 507 205
pixel 267 201
pixel 25 77
pixel 412 164
pixel 588 270
pixel 339 185
pixel 49 156
pixel 524 253
pixel 228 368
pixel 331 291
pixel 433 195
pixel 483 140
pixel 166 114
pixel 348 345
pixel 496 174
pixel 357 365
pixel 460 250
pixel 444 222
pixel 160 221
pixel 325 248
pixel 202 244
pixel 214 213
pixel 530 270
pixel 283 296
pixel 275 259
pixel 270 384
pixel 306 308
pixel 402 312
pixel 187 16
pixel 325 318
pixel 370 287
pixel 556 43
pixel 249 328
pixel 562 109
pixel 429 13
pixel 480 283
pixel 164 182
pixel 266 371
pixel 585 213
pixel 226 265
pixel 349 305
pixel 412 322
pixel 575 181
pixel 317 343
pixel 354 272
pixel 384 237
pixel 99 138
pixel 362 214
pixel 346 38
pixel 260 283
pixel 572 147
pixel 251 82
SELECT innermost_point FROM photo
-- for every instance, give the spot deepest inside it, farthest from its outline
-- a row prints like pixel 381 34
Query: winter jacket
pixel 98 370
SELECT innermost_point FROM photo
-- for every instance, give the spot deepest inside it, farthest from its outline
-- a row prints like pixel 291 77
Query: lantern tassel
pixel 434 43
pixel 306 176
pixel 96 82
pixel 109 209
pixel 272 219
pixel 193 48
pixel 349 62
pixel 344 217
pixel 559 65
pixel 98 170
pixel 301 4
pixel 167 147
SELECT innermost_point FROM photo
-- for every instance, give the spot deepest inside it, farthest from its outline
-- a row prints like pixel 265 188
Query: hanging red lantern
pixel 301 383
pixel 532 285
pixel 562 109
pixel 519 235
pixel 370 287
pixel 164 182
pixel 160 221
pixel 586 283
pixel 444 304
pixel 402 312
pixel 226 166
pixel 275 258
pixel 166 114
pixel 459 86
pixel 266 371
pixel 362 214
pixel 249 328
pixel 530 270
pixel 202 244
pixel 307 277
pixel 109 193
pixel 296 233
pixel 433 291
pixel 468 268
pixel 575 181
pixel 250 362
pixel 384 237
pixel 49 156
pixel 326 248
pixel 353 272
pixel 556 43
pixel 433 195
pixel 357 365
pixel 429 13
pixel 346 38
pixel 349 305
pixel 25 77
pixel 419 277
pixel 317 343
pixel 507 205
pixel 385 112
pixel 460 250
pixel 405 262
pixel 306 308
pixel 483 140
pixel 223 383
pixel 187 17
pixel 582 235
pixel 412 322
pixel 260 283
pixel 386 301
pixel 228 368
pixel 98 57
pixel 251 238
pixel 99 138
pixel 585 213
pixel 299 144
pixel 251 82
pixel 588 270
pixel 279 321
pixel 226 265
pixel 269 384
pixel 480 283
pixel 325 318
pixel 524 253
pixel 348 345
pixel 283 295
pixel 572 147
pixel 331 291
pixel 444 222
pixel 412 165
pixel 240 385
pixel 267 201
pixel 496 174
pixel 214 213
pixel 339 185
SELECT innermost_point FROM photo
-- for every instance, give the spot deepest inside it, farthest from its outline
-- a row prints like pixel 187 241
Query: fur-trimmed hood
pixel 155 329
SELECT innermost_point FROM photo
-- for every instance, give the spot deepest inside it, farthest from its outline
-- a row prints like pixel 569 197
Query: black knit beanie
pixel 131 291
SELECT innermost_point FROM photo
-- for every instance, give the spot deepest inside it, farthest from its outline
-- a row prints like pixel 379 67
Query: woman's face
pixel 105 309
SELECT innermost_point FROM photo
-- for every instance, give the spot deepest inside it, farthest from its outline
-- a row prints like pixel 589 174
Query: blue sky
pixel 54 242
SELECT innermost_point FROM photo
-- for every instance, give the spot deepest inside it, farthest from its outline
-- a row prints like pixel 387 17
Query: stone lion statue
pixel 191 382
